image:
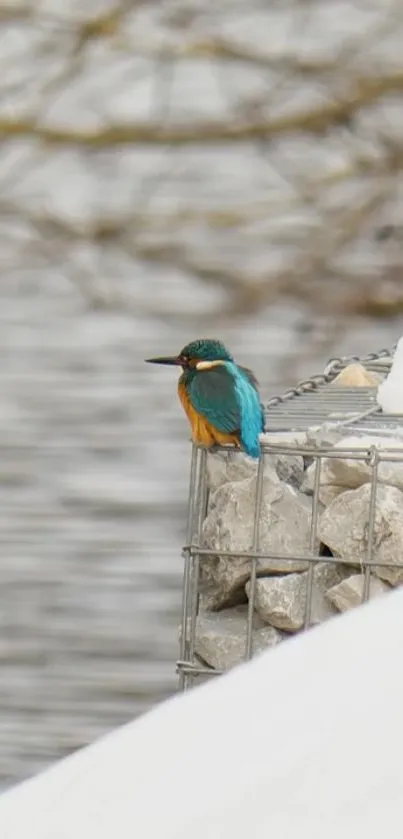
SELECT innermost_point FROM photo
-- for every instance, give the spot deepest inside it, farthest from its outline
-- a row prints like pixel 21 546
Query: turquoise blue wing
pixel 255 384
pixel 251 376
pixel 212 394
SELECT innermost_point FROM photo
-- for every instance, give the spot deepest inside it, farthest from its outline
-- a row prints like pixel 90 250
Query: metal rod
pixel 312 543
pixel 280 557
pixel 195 570
pixel 391 454
pixel 187 557
pixel 371 524
pixel 196 670
pixel 255 559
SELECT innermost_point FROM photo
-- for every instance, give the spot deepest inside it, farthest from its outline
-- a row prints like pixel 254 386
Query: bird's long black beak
pixel 173 360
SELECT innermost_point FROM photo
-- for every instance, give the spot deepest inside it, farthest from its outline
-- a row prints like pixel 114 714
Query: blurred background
pixel 168 170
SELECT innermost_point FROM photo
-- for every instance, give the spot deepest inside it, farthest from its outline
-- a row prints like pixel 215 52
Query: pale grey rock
pixel 356 375
pixel 328 493
pixel 288 466
pixel 281 601
pixel 343 527
pixel 327 574
pixel 349 473
pixel 221 637
pixel 349 592
pixel 325 435
pixel 225 467
pixel 284 438
pixel 285 520
pixel 229 467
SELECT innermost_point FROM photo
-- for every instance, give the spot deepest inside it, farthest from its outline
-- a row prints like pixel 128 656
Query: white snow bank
pixel 306 740
pixel 390 392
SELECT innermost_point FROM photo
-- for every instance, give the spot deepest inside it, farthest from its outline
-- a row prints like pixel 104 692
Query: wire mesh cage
pixel 314 404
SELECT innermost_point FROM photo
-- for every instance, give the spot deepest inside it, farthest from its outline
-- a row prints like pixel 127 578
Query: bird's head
pixel 199 355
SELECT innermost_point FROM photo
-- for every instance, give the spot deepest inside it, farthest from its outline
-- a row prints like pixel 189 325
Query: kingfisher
pixel 220 398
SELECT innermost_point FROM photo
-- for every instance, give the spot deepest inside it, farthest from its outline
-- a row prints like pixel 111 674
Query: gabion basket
pixel 313 404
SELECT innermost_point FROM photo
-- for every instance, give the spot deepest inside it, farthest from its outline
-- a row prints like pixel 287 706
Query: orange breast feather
pixel 203 433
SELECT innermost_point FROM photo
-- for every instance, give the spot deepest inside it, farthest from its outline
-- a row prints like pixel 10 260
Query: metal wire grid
pixel 300 407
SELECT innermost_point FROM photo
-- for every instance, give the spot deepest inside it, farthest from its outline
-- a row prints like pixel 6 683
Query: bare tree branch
pixel 316 120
